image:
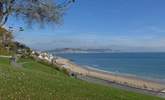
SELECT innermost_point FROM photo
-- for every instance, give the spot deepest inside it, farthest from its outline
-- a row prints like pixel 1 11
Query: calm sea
pixel 145 65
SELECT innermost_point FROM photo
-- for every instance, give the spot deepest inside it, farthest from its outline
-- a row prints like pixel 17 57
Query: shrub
pixel 63 70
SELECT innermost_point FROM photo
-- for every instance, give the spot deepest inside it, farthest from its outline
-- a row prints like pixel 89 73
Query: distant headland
pixel 81 50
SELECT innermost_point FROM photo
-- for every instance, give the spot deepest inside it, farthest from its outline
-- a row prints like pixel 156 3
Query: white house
pixel 45 56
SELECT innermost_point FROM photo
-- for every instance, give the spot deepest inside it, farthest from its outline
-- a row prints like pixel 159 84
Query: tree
pixel 41 11
pixel 5 37
pixel 5 41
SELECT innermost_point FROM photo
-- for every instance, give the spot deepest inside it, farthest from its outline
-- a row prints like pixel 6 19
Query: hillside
pixel 35 81
pixel 81 50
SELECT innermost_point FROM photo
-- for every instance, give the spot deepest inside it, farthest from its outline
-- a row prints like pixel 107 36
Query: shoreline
pixel 88 67
pixel 123 74
pixel 124 80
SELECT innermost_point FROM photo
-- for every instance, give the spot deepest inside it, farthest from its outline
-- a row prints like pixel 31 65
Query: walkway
pixel 3 56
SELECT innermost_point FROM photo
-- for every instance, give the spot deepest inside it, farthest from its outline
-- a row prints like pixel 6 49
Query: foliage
pixel 33 10
pixel 63 70
pixel 6 44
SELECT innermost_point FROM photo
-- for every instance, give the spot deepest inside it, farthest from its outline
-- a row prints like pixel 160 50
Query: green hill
pixel 35 81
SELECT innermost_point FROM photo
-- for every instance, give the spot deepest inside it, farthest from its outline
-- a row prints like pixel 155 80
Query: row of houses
pixel 50 59
pixel 44 56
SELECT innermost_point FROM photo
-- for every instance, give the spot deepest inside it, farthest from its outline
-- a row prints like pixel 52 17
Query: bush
pixel 63 70
pixel 3 51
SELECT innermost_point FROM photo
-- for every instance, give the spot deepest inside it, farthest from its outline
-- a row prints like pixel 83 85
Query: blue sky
pixel 126 25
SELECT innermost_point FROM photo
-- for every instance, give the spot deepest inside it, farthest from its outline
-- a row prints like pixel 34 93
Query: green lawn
pixel 35 81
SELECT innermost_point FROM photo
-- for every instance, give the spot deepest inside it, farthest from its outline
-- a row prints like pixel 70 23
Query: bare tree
pixel 41 11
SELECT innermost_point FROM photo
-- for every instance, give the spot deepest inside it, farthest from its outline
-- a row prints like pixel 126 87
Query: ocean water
pixel 144 65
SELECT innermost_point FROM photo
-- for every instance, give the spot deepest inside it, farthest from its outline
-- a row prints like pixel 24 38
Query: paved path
pixel 18 64
pixel 108 83
pixel 3 56
pixel 15 64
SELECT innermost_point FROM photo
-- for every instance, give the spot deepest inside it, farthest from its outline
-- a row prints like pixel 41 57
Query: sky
pixel 125 25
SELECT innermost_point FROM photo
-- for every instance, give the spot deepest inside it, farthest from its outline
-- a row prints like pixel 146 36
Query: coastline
pixel 128 81
pixel 125 75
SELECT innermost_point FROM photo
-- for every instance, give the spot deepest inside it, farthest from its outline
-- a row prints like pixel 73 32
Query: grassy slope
pixel 37 81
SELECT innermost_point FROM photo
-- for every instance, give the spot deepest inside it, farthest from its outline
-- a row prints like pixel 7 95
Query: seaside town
pixel 78 70
pixel 72 69
pixel 82 50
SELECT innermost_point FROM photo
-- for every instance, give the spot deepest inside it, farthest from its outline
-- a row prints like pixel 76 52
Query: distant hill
pixel 79 50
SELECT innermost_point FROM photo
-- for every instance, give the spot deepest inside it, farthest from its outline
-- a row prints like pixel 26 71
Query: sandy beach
pixel 119 79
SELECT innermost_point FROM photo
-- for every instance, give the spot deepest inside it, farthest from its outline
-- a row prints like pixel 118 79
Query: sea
pixel 143 65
